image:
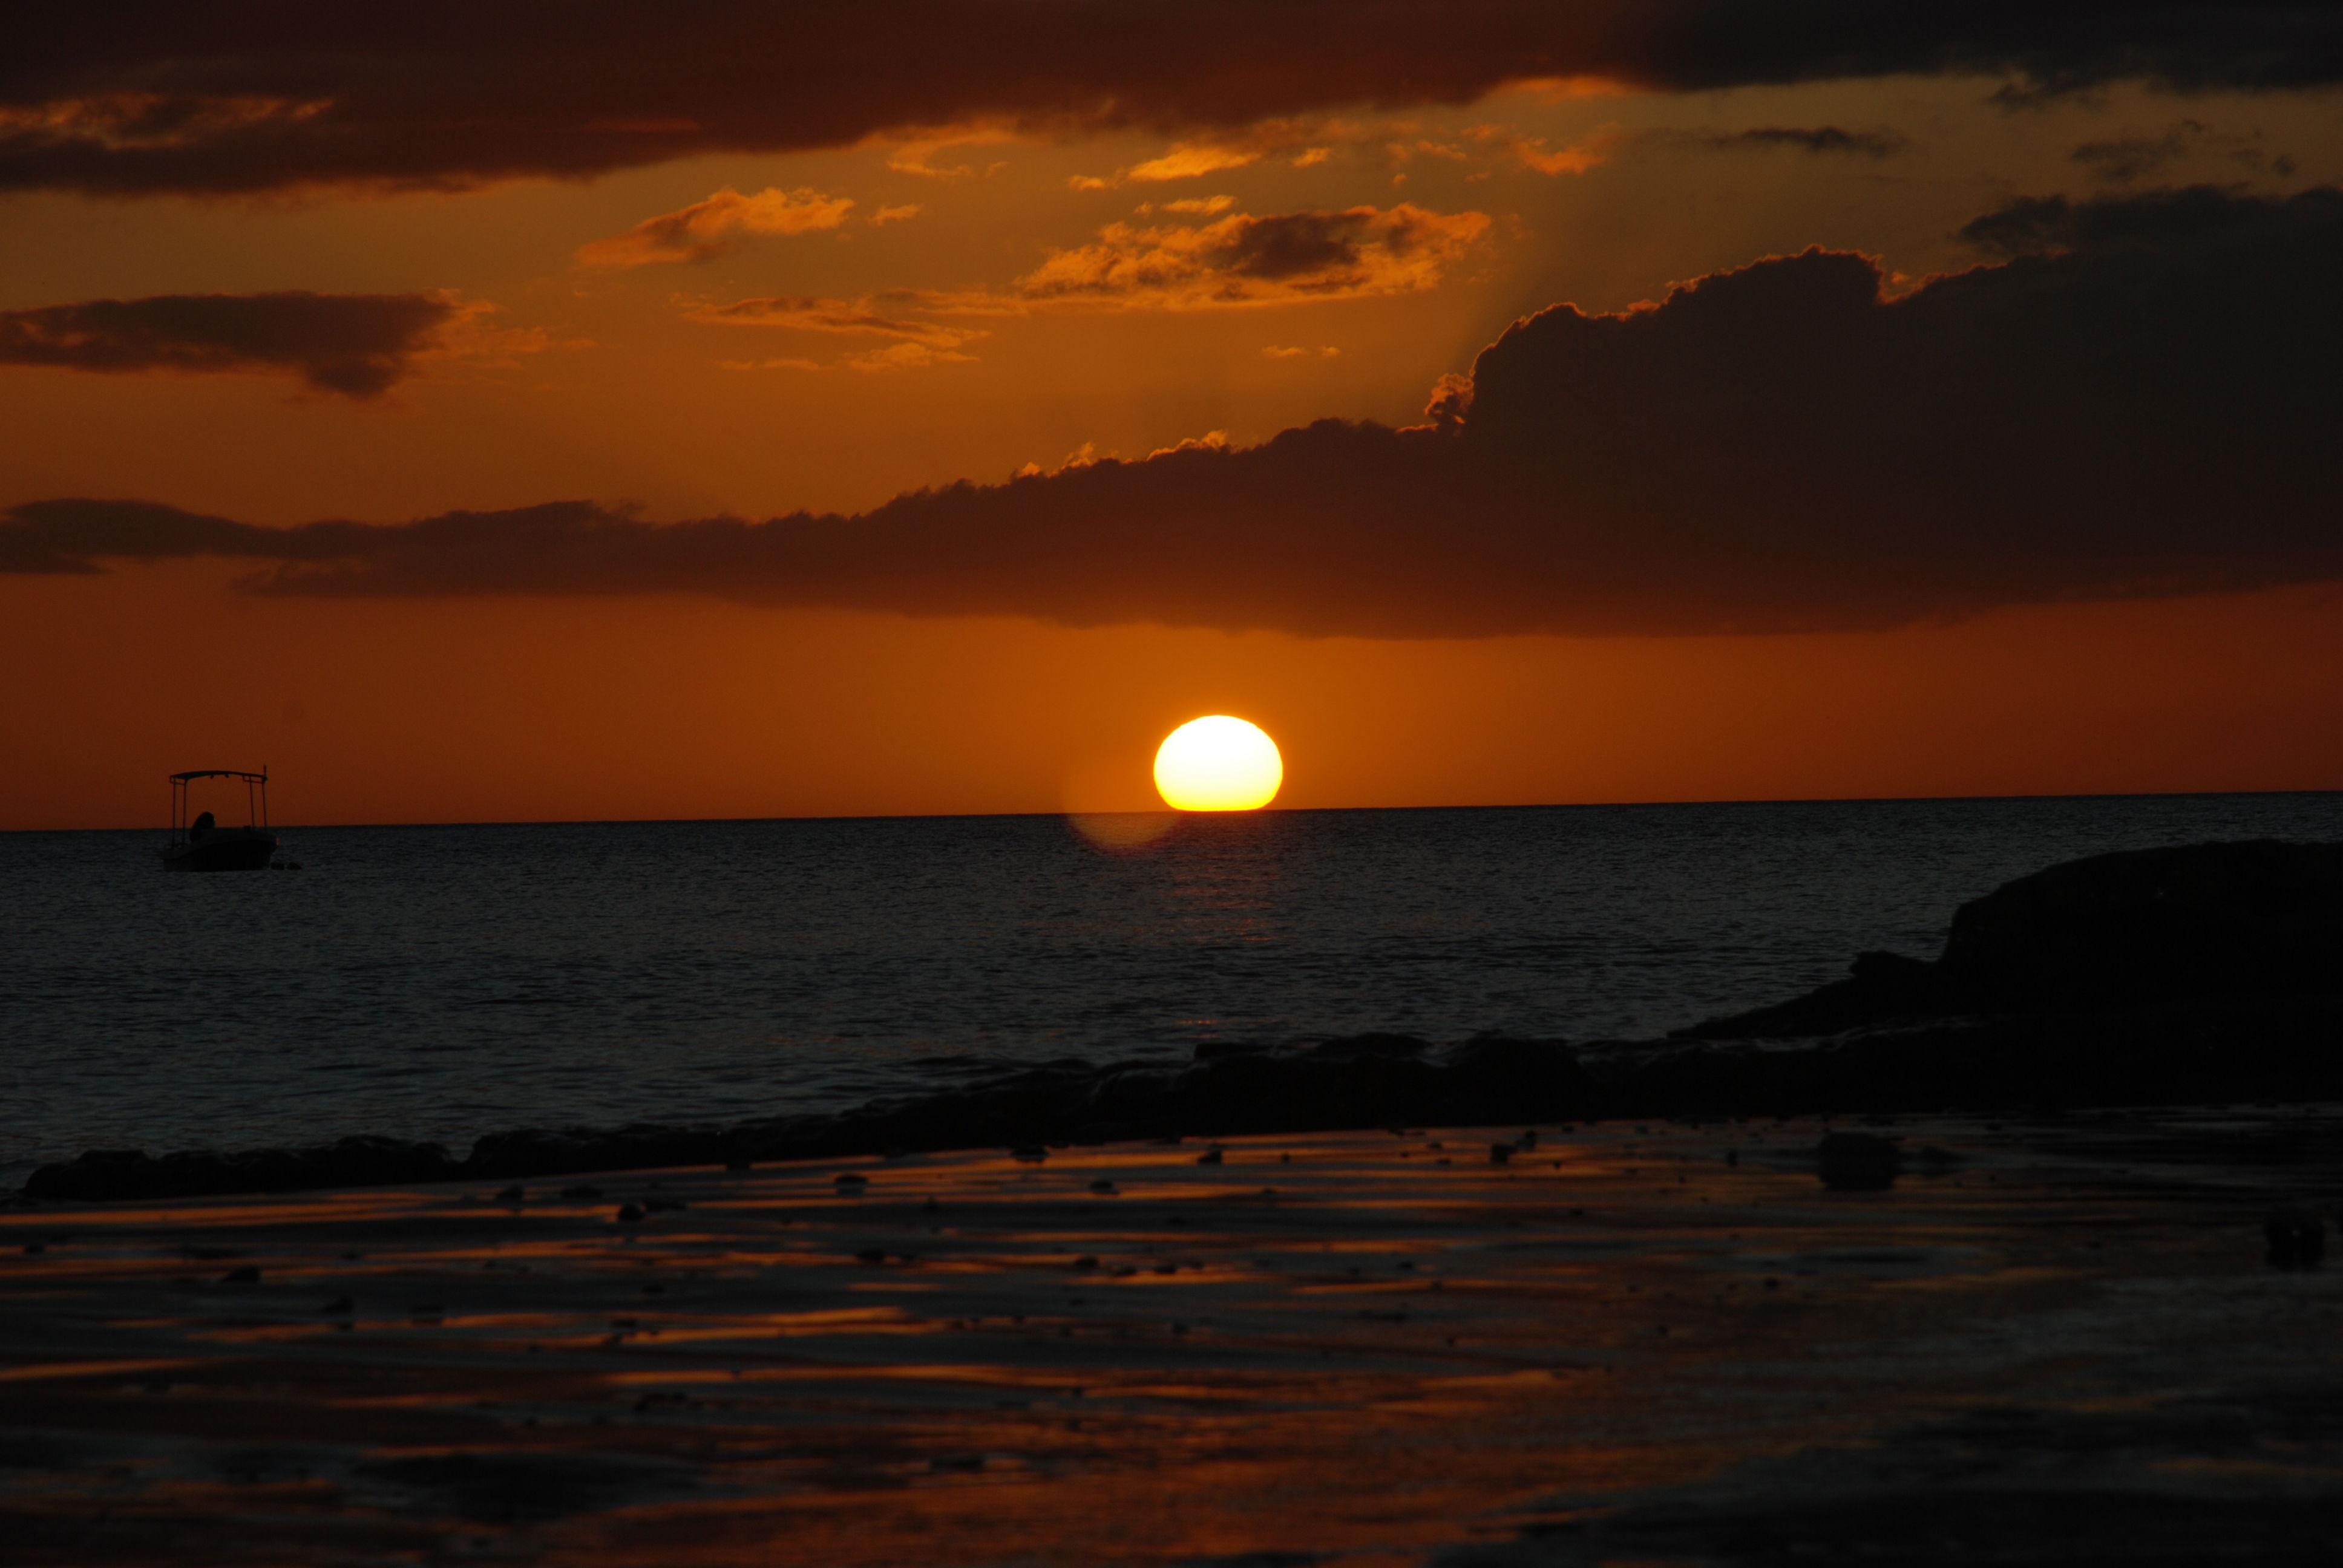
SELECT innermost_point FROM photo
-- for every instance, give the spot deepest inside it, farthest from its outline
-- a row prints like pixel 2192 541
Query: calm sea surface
pixel 442 982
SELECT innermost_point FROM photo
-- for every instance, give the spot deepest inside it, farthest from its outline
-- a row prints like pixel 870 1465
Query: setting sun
pixel 1218 764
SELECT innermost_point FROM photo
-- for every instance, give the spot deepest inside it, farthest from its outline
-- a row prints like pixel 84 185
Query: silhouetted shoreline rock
pixel 2257 919
pixel 2202 975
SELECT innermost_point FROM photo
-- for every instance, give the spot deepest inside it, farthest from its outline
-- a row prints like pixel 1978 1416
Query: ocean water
pixel 447 982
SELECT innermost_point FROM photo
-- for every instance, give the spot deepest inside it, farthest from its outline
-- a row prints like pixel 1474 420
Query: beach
pixel 2052 1338
pixel 1027 785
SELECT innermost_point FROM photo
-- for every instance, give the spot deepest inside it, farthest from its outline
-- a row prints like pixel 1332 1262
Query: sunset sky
pixel 560 411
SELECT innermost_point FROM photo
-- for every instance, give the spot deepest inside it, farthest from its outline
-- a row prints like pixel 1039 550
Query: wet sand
pixel 1654 1343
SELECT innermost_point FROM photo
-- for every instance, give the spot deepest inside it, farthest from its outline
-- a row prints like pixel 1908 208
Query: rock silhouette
pixel 2258 919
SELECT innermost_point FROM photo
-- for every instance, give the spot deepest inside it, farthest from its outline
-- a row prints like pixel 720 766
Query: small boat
pixel 203 845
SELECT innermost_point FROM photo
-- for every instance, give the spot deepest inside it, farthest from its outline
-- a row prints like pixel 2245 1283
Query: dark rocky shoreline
pixel 2210 974
pixel 2266 1051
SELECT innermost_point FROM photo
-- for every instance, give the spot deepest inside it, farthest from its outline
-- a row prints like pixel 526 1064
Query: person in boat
pixel 201 827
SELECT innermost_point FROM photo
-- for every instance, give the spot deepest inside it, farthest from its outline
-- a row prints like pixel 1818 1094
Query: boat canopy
pixel 256 796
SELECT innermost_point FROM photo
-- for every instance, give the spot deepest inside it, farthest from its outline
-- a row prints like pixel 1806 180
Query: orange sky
pixel 586 357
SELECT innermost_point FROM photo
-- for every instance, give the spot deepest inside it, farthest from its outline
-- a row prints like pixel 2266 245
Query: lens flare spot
pixel 1218 764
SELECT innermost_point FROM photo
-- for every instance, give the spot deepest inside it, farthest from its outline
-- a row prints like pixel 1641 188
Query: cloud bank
pixel 143 96
pixel 357 345
pixel 2138 399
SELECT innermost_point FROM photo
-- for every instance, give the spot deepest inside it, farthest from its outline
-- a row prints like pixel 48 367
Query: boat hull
pixel 225 849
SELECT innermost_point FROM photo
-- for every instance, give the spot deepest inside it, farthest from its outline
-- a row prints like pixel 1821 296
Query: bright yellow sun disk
pixel 1218 764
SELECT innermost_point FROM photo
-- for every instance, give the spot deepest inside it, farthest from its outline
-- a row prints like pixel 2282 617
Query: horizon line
pixel 1263 811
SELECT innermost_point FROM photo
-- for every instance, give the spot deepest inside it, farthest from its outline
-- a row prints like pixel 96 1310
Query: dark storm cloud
pixel 142 97
pixel 2141 400
pixel 353 344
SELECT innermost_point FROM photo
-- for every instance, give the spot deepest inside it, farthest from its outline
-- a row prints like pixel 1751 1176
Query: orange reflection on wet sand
pixel 1366 1346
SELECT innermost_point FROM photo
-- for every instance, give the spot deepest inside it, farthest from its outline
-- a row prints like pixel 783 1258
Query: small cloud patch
pixel 1880 141
pixel 706 230
pixel 2134 157
pixel 1532 153
pixel 858 318
pixel 1242 260
pixel 1194 159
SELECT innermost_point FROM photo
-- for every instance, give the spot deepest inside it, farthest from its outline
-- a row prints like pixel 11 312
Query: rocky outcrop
pixel 2143 928
pixel 114 1174
pixel 2257 1049
pixel 1368 1080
